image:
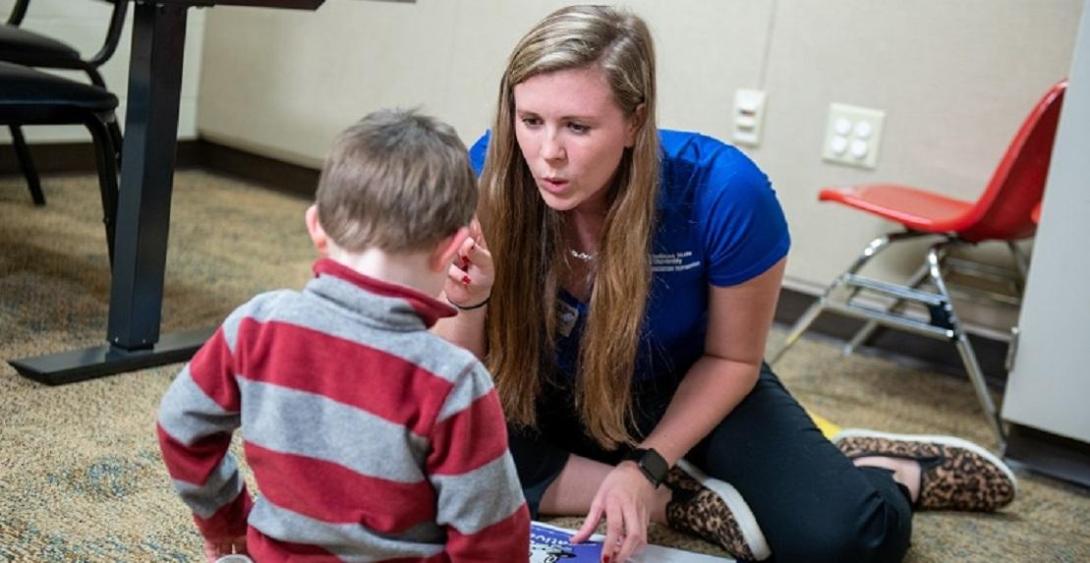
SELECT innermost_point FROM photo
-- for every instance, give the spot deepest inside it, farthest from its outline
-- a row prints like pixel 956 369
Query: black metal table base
pixel 99 361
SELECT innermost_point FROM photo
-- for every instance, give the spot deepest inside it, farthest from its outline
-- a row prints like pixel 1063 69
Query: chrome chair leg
pixel 811 314
pixel 868 329
pixel 1021 262
pixel 965 348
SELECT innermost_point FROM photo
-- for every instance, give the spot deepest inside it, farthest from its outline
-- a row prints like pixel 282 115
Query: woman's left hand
pixel 469 278
pixel 624 499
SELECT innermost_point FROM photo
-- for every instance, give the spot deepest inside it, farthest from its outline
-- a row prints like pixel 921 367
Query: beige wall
pixel 954 78
pixel 82 24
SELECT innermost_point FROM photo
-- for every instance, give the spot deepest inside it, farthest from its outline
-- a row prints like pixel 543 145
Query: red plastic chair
pixel 1005 212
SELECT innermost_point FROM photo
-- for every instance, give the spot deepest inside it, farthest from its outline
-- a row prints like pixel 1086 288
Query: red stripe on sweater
pixel 333 493
pixel 192 464
pixel 506 540
pixel 439 558
pixel 268 550
pixel 265 549
pixel 212 369
pixel 391 388
pixel 480 426
pixel 229 521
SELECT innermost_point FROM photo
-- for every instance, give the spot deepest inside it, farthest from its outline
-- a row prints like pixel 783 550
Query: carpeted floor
pixel 80 474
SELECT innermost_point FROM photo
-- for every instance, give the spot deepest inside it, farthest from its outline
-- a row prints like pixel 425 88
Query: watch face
pixel 651 463
pixel 655 464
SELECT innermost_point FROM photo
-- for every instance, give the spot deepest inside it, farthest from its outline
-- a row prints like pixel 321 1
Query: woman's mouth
pixel 554 185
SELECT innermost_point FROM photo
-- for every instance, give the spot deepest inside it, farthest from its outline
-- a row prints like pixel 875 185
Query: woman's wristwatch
pixel 651 464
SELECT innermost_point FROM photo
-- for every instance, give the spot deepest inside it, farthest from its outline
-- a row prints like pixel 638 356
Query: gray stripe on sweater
pixel 222 486
pixel 301 423
pixel 477 499
pixel 188 414
pixel 350 542
pixel 410 342
pixel 263 302
pixel 472 385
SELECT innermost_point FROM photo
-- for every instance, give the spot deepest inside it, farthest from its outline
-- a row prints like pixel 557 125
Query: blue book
pixel 550 544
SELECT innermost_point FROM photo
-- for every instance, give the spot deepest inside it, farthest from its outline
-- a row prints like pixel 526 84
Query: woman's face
pixel 572 134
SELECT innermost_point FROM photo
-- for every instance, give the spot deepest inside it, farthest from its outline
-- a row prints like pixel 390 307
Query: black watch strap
pixel 651 464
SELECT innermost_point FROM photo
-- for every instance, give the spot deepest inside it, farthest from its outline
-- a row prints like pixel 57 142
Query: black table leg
pixel 147 164
pixel 143 215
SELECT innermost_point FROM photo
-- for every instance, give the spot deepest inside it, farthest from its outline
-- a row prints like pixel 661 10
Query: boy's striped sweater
pixel 369 437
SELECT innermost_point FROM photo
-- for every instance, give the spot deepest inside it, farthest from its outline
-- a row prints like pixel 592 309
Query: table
pixel 143 215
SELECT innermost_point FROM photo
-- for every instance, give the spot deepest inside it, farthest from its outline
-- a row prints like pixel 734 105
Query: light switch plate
pixel 853 135
pixel 748 116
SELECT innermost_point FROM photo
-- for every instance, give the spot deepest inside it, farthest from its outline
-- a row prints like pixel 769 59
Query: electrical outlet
pixel 853 135
pixel 749 113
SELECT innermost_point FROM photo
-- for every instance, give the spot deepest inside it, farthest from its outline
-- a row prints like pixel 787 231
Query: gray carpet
pixel 80 474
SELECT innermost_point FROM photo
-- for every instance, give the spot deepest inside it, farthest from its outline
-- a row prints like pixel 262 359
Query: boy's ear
pixel 317 234
pixel 635 123
pixel 446 249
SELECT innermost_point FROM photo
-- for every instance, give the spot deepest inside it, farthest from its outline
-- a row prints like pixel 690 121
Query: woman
pixel 624 319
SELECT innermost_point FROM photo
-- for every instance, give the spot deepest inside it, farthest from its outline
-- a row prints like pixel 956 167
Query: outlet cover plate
pixel 853 136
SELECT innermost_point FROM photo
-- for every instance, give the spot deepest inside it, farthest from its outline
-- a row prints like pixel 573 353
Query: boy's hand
pixel 469 278
pixel 214 549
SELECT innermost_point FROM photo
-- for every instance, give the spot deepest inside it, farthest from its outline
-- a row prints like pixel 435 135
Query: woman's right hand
pixel 624 499
pixel 470 277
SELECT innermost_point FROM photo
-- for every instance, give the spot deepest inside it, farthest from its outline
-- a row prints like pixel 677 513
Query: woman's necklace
pixel 585 257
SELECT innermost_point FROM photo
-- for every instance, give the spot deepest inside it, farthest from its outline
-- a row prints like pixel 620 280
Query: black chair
pixel 32 97
pixel 27 48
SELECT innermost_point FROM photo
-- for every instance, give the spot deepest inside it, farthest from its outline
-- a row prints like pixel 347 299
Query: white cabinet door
pixel 1049 385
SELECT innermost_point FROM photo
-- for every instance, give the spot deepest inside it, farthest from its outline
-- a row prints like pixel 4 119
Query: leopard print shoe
pixel 714 511
pixel 955 474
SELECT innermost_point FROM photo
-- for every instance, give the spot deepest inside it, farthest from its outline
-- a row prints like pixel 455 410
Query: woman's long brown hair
pixel 526 239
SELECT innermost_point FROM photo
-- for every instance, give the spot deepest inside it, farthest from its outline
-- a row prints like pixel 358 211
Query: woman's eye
pixel 578 128
pixel 531 121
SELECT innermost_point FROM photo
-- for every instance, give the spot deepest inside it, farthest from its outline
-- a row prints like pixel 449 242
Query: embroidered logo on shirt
pixel 674 262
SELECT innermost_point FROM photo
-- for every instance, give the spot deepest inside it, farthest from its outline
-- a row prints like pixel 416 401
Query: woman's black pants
pixel 810 501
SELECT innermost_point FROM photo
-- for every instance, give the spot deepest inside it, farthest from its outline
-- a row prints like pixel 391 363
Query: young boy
pixel 369 437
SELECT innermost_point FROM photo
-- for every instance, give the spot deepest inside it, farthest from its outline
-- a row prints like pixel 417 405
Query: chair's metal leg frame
pixel 811 314
pixel 961 340
pixel 1021 261
pixel 113 125
pixel 26 162
pixel 932 269
pixel 868 329
pixel 107 165
pixel 1014 279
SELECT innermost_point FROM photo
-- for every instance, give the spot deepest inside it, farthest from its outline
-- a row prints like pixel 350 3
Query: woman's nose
pixel 551 148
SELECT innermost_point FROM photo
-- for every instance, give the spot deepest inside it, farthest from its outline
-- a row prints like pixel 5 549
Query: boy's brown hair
pixel 397 181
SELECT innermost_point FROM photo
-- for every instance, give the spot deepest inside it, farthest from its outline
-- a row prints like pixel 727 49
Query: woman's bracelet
pixel 471 307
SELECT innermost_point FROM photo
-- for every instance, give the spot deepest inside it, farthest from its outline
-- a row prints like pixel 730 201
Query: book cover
pixel 550 544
